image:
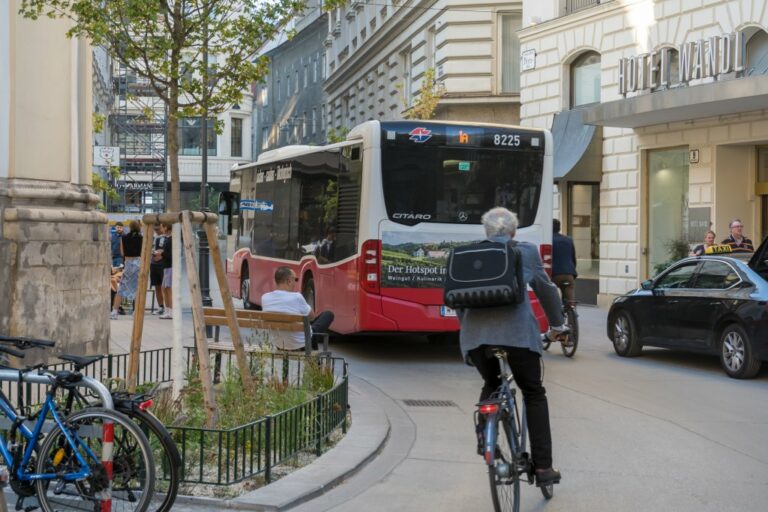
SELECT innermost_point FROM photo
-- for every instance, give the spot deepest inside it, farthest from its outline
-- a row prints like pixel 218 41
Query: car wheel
pixel 625 341
pixel 245 289
pixel 736 353
pixel 309 293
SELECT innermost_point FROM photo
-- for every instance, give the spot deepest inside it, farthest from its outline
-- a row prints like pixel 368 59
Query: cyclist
pixel 516 329
pixel 563 263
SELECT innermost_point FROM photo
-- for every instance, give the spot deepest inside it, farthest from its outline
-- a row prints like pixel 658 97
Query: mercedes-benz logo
pixel 463 216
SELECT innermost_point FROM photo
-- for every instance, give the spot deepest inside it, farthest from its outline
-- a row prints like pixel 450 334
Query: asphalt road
pixel 667 431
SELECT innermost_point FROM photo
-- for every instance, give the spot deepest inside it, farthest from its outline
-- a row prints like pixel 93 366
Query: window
pixel 305 123
pixel 315 65
pixel 716 275
pixel 297 82
pixel 190 136
pixel 405 68
pixel 667 205
pixel 314 120
pixel 279 91
pixel 264 95
pixel 679 277
pixel 265 137
pixel 236 137
pixel 322 65
pixel 306 75
pixel 510 52
pixel 757 54
pixel 585 79
pixel 322 117
pixel 457 184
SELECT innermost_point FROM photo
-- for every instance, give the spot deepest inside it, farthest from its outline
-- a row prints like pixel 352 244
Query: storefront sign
pixel 698 224
pixel 134 185
pixel 705 58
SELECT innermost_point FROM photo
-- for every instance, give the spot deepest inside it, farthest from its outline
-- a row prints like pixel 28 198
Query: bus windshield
pixel 458 184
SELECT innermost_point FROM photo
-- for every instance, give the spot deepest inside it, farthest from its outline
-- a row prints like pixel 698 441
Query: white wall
pixel 5 88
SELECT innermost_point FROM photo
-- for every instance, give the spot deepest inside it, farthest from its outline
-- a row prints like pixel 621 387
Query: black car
pixel 710 304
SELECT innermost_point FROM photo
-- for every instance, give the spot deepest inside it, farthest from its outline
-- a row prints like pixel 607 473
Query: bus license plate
pixel 446 311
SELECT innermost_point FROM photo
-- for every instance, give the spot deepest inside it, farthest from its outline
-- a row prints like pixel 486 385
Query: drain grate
pixel 412 402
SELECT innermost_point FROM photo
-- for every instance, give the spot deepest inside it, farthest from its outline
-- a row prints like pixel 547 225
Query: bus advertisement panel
pixel 367 224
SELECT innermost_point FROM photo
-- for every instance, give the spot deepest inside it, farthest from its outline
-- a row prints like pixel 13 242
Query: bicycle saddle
pixel 81 361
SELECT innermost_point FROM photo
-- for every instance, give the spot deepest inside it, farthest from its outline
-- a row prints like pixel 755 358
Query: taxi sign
pixel 718 249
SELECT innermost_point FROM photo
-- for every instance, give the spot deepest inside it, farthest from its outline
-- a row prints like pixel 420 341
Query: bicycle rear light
pixel 146 404
pixel 489 408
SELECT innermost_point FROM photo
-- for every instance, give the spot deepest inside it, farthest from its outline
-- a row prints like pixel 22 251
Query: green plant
pixel 425 103
pixel 334 136
pixel 676 250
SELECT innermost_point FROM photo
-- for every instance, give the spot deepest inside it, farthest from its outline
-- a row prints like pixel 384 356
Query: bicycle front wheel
pixel 569 347
pixel 133 471
pixel 503 473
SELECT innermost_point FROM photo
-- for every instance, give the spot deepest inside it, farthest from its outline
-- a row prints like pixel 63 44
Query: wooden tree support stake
pixel 138 308
pixel 198 320
pixel 229 309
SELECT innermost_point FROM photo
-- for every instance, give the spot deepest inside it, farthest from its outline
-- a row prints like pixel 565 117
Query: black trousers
pixel 527 372
pixel 322 322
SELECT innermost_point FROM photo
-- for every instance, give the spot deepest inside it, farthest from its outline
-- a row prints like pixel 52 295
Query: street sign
pixel 106 156
pixel 528 60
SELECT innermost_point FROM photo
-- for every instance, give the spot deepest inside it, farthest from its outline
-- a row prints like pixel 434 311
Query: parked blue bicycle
pixel 505 442
pixel 94 459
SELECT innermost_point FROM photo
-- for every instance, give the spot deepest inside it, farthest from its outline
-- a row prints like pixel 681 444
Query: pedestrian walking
pixel 115 241
pixel 563 263
pixel 737 241
pixel 131 251
pixel 167 259
pixel 156 268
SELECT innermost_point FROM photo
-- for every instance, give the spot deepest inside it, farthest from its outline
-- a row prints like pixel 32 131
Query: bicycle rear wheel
pixel 503 474
pixel 166 456
pixel 133 474
pixel 569 347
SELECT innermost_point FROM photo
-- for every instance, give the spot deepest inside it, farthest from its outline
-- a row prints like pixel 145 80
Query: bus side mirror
pixel 228 203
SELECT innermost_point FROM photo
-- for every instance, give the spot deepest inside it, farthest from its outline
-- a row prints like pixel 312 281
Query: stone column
pixel 54 245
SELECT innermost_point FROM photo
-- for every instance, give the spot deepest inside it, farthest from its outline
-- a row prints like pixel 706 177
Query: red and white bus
pixel 367 223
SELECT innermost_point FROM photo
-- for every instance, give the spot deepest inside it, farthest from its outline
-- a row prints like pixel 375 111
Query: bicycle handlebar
pixel 25 343
pixel 10 351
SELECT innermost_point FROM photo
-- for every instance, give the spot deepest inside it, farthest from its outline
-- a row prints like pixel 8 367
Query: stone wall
pixel 54 266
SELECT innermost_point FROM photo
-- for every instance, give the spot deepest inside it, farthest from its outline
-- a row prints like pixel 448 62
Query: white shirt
pixel 281 301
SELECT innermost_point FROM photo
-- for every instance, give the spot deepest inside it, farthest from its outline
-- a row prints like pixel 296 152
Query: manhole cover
pixel 412 402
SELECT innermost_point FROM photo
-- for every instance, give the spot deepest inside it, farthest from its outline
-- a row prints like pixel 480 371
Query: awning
pixel 682 104
pixel 572 139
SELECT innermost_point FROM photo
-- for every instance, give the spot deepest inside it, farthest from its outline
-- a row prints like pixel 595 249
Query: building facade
pixel 289 105
pixel 378 54
pixel 674 93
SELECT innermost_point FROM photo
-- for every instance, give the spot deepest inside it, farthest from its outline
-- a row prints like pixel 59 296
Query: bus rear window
pixel 458 185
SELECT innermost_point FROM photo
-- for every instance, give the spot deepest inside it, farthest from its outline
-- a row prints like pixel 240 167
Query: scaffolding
pixel 138 124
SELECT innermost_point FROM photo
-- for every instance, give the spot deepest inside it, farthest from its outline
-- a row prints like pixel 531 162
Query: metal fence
pixel 154 366
pixel 228 456
pixel 572 6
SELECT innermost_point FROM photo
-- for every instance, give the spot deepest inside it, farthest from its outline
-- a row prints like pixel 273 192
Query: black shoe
pixel 547 477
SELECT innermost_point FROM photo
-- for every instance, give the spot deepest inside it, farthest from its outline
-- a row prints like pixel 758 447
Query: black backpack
pixel 484 274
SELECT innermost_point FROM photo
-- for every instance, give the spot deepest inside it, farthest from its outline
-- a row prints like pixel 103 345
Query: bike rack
pixel 36 377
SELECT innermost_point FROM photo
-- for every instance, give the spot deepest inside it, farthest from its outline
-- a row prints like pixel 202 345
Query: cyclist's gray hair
pixel 499 222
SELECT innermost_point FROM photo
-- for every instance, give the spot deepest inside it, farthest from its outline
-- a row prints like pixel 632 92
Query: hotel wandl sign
pixel 706 58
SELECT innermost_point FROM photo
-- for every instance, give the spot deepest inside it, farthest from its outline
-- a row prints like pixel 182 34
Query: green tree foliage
pixel 425 104
pixel 163 42
pixel 334 136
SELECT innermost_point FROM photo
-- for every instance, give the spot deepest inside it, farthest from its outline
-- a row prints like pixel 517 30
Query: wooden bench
pixel 262 320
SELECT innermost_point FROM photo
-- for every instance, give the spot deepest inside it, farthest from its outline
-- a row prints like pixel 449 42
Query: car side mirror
pixel 647 285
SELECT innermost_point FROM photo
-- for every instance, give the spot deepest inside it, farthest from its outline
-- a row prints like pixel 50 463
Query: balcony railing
pixel 572 6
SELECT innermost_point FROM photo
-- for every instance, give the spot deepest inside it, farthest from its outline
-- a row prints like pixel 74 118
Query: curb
pixel 364 440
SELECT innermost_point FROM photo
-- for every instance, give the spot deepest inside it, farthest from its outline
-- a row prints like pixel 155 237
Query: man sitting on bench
pixel 286 300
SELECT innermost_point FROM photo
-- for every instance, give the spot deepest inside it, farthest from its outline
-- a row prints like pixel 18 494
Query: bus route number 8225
pixel 503 139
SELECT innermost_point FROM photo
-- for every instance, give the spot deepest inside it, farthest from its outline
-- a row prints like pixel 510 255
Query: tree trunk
pixel 174 205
